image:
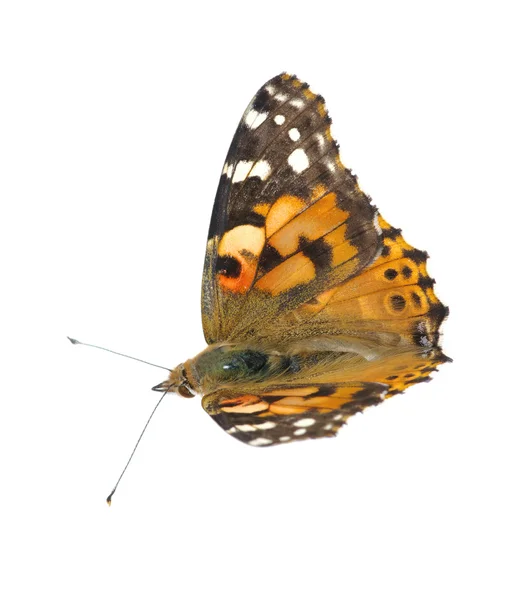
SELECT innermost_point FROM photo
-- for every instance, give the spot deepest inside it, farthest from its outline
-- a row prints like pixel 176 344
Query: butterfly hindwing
pixel 287 414
pixel 289 221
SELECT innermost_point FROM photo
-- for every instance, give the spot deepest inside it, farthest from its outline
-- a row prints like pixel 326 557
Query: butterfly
pixel 313 306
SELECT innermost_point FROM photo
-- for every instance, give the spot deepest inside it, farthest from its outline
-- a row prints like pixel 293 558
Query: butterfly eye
pixel 185 392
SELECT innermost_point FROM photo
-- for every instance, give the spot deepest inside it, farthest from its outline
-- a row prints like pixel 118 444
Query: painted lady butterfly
pixel 313 307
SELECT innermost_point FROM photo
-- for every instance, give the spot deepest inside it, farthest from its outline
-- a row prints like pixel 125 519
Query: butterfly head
pixel 177 382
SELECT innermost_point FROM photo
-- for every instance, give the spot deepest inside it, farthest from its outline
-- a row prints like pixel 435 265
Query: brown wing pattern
pixel 289 221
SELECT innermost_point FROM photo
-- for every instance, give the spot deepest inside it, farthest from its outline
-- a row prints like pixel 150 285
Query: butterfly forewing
pixel 289 220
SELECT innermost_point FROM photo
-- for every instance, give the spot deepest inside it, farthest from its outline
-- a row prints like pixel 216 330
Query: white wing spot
pixel 338 417
pixel 254 119
pixel 298 160
pixel 270 89
pixel 261 169
pixel 280 97
pixel 378 229
pixel 305 422
pixel 227 170
pixel 284 438
pixel 300 431
pixel 328 427
pixel 231 430
pixel 279 119
pixel 244 168
pixel 266 425
pixel 320 139
pixel 245 427
pixel 297 103
pixel 260 442
pixel 241 170
pixel 331 166
pixel 293 134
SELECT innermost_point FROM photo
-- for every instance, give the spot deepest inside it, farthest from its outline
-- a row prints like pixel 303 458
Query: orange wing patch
pixel 342 249
pixel 296 270
pixel 315 221
pixel 283 210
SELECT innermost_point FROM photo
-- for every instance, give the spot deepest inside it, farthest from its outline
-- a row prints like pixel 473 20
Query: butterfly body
pixel 313 306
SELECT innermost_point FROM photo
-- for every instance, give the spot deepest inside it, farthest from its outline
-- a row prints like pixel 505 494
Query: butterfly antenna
pixel 74 341
pixel 109 498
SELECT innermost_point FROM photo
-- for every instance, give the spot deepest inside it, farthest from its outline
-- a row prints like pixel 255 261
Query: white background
pixel 115 119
